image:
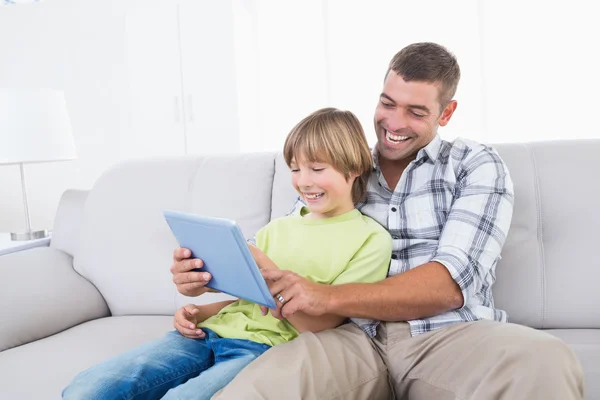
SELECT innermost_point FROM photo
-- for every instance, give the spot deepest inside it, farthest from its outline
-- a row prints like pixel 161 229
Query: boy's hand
pixel 185 321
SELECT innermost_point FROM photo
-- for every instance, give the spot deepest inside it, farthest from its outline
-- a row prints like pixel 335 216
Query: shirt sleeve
pixel 370 263
pixel 478 223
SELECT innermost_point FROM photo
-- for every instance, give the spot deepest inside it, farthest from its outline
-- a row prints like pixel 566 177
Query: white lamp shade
pixel 34 127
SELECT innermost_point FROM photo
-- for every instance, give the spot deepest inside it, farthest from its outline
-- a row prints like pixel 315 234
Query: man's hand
pixel 189 283
pixel 298 293
pixel 186 321
pixel 262 260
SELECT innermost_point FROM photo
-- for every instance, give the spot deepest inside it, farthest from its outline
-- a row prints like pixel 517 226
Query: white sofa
pixel 103 285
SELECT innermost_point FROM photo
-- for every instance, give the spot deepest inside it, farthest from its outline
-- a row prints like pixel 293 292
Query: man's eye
pixel 417 114
pixel 388 105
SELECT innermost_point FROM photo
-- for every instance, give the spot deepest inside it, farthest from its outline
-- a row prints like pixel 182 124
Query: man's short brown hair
pixel 428 62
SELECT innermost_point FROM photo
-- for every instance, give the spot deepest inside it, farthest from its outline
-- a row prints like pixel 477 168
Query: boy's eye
pixel 294 170
pixel 318 169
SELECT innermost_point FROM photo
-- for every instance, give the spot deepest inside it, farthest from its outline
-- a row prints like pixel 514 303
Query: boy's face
pixel 407 117
pixel 325 190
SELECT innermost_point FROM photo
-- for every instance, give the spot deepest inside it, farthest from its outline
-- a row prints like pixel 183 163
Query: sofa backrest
pixel 547 275
pixel 546 278
pixel 126 247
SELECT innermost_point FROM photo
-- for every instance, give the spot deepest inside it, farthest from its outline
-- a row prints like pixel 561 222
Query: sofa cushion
pixel 586 345
pixel 51 363
pixel 126 246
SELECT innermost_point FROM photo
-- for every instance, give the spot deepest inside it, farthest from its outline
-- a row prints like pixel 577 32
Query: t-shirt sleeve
pixel 371 262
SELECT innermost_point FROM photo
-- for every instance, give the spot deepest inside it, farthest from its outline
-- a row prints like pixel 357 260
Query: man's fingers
pixel 191 289
pixel 282 284
pixel 185 265
pixel 181 254
pixel 290 303
pixel 277 312
pixel 264 310
pixel 200 278
pixel 272 274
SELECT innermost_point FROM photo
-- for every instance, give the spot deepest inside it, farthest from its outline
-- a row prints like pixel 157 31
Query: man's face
pixel 407 117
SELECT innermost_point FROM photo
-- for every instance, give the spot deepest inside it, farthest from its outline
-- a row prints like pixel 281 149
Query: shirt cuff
pixel 458 268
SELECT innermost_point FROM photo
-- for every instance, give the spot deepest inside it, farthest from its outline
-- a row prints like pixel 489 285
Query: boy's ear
pixel 352 176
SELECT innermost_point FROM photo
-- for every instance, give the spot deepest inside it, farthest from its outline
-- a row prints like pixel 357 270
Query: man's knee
pixel 546 356
pixel 336 364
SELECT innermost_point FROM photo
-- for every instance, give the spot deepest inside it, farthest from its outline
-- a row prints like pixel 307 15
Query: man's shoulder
pixel 467 153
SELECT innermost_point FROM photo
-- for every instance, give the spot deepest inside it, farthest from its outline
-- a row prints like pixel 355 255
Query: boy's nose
pixel 304 181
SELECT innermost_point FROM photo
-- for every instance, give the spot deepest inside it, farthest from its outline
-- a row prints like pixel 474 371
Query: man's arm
pixel 424 291
pixel 468 250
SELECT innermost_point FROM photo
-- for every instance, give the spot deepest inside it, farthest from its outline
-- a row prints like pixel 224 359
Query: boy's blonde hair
pixel 334 137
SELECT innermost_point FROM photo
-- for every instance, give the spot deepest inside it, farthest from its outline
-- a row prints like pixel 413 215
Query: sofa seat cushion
pixel 55 360
pixel 586 345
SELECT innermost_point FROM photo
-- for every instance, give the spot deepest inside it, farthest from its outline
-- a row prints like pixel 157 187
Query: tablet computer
pixel 220 244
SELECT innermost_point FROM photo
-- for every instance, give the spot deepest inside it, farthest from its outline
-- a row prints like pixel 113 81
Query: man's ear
pixel 447 113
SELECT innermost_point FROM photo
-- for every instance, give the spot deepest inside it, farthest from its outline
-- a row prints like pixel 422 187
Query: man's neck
pixel 392 170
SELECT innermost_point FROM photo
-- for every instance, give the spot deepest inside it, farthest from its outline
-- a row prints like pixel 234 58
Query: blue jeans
pixel 174 367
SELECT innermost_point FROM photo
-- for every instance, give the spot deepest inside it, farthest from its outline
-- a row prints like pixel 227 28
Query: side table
pixel 11 246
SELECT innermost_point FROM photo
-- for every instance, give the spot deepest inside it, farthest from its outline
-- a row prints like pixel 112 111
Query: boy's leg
pixel 479 360
pixel 146 372
pixel 231 356
pixel 339 363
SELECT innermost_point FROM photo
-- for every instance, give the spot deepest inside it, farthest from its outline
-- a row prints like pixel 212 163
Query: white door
pixel 210 89
pixel 154 68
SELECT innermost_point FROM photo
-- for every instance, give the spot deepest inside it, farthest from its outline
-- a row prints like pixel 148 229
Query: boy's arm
pixel 206 311
pixel 187 318
pixel 301 321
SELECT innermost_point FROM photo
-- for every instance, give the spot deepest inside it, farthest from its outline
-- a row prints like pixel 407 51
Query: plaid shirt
pixel 453 204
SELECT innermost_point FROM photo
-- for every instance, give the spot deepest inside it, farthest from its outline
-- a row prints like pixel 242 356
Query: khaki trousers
pixel 477 360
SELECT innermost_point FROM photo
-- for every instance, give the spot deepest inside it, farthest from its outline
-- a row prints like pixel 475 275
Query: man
pixel 448 207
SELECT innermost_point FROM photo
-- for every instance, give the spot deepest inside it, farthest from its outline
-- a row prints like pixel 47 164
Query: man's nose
pixel 397 121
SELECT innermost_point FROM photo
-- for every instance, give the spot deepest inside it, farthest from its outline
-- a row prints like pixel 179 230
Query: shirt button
pixel 394 257
pixel 395 237
pixel 393 209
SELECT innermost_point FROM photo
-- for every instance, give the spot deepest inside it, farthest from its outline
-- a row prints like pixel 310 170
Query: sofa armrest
pixel 41 294
pixel 67 223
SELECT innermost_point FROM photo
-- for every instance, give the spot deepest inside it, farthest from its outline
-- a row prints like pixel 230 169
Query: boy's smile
pixel 325 190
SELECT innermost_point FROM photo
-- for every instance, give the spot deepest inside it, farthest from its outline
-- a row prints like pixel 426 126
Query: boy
pixel 330 163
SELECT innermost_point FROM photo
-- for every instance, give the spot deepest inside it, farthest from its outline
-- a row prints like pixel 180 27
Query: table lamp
pixel 34 128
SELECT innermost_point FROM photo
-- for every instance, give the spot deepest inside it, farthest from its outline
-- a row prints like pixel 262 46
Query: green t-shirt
pixel 346 248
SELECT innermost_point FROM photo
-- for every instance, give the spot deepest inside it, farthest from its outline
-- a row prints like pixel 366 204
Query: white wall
pixel 64 45
pixel 528 73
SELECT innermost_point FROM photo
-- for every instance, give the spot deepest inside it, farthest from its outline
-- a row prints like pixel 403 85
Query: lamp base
pixel 29 235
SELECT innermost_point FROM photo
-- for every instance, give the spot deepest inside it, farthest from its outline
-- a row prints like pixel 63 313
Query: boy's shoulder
pixel 374 225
